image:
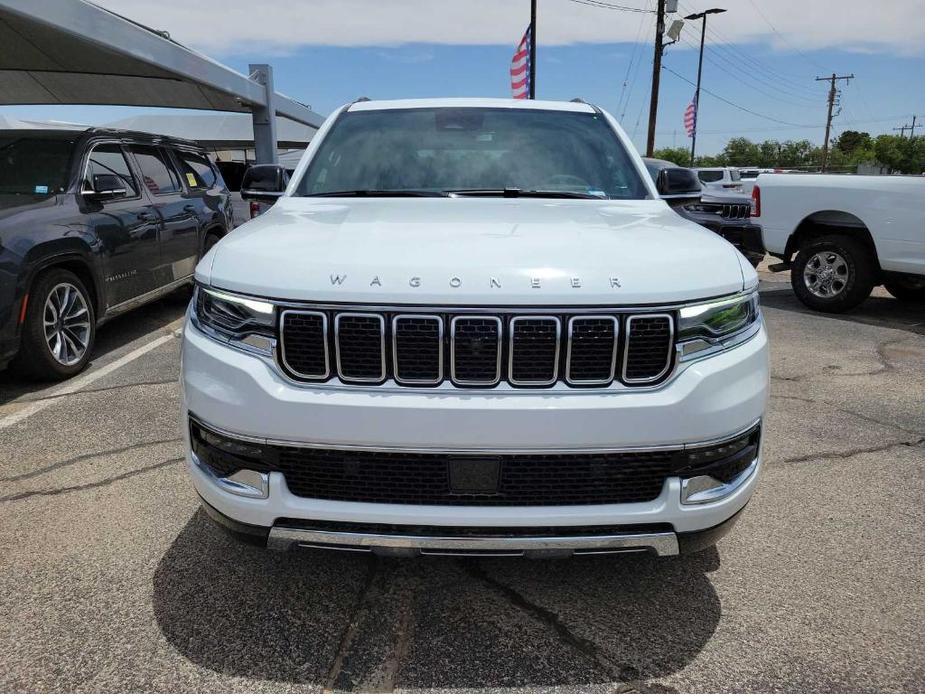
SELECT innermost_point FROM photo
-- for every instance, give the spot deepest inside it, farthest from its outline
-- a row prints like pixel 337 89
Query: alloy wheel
pixel 66 320
pixel 826 274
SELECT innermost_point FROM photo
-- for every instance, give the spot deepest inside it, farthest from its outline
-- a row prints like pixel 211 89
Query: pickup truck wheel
pixel 832 274
pixel 59 328
pixel 910 289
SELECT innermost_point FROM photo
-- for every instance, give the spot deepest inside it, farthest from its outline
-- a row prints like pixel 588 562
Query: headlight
pixel 241 321
pixel 717 325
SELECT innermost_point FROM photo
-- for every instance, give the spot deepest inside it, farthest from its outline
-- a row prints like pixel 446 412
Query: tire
pixel 910 290
pixel 845 278
pixel 211 240
pixel 65 349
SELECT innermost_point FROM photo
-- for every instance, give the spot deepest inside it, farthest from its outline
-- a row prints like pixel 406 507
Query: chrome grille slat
pixel 591 356
pixel 533 350
pixel 307 351
pixel 419 348
pixel 649 346
pixel 359 346
pixel 475 350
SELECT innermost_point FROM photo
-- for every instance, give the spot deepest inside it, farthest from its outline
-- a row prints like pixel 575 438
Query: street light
pixel 703 35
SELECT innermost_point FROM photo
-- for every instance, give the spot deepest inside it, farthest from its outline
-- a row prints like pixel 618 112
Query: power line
pixel 784 38
pixel 731 103
pixel 729 69
pixel 611 6
pixel 636 55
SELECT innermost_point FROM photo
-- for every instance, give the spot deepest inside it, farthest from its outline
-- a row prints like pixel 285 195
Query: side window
pixel 196 169
pixel 159 176
pixel 109 159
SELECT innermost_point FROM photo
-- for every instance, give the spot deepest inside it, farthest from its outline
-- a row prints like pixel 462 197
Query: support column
pixel 264 117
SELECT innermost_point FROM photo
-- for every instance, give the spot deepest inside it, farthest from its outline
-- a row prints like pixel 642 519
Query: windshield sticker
pixel 191 179
pixel 41 190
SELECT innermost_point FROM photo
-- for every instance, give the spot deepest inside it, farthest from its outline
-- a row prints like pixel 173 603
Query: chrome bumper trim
pixel 705 489
pixel 475 450
pixel 661 544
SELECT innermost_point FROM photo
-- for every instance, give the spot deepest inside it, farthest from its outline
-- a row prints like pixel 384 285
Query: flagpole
pixel 703 36
pixel 532 49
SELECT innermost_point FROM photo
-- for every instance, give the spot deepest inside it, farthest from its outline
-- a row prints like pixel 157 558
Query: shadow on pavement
pixel 110 337
pixel 882 311
pixel 356 622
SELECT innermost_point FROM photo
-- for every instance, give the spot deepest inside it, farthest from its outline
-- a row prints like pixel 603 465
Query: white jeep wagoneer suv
pixel 471 326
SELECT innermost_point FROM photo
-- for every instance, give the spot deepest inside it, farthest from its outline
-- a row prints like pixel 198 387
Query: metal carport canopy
pixel 74 52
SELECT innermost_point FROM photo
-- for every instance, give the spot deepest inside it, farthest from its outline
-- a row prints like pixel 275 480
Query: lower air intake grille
pixel 522 480
pixel 649 344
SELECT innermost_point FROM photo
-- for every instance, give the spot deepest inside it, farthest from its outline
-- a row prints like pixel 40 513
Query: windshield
pixel 445 150
pixel 34 165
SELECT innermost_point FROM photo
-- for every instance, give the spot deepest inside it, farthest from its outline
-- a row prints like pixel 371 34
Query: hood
pixel 469 251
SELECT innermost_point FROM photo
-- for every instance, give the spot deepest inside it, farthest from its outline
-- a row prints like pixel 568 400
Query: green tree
pixel 676 155
pixel 740 151
pixel 900 154
pixel 851 140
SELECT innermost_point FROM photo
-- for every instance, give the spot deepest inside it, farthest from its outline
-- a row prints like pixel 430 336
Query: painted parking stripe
pixel 80 382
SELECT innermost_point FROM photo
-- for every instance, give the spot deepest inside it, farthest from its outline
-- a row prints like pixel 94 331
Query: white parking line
pixel 76 384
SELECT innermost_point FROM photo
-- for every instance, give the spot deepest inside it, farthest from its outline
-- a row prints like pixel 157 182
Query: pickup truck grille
pixel 475 350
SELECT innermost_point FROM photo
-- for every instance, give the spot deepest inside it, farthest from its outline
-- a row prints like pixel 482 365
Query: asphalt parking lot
pixel 111 579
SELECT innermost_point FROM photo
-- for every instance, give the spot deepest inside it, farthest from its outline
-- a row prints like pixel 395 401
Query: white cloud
pixel 251 26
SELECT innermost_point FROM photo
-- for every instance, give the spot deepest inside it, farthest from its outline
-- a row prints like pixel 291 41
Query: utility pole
pixel 828 120
pixel 532 49
pixel 703 37
pixel 910 128
pixel 656 75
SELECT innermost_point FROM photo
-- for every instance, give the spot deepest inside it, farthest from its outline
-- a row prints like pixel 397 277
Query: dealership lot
pixel 111 579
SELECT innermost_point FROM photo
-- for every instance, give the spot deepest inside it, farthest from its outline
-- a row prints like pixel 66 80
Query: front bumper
pixel 246 396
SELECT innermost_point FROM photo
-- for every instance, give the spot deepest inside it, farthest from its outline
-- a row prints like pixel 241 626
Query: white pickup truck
pixel 840 236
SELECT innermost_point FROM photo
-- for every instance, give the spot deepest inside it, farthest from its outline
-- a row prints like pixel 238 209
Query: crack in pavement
pixel 346 639
pixel 120 386
pixel 879 352
pixel 852 413
pixel 91 485
pixel 86 456
pixel 583 646
pixel 850 453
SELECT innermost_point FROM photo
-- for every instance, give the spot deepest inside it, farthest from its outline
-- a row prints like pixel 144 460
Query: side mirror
pixel 106 187
pixel 677 181
pixel 264 183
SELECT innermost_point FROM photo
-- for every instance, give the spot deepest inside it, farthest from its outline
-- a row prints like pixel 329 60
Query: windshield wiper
pixel 519 193
pixel 372 193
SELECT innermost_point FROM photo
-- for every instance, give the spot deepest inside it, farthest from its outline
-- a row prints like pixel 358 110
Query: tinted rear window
pixel 159 175
pixel 34 165
pixel 710 176
pixel 197 169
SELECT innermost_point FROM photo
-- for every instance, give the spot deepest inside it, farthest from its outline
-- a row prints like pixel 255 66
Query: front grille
pixel 736 211
pixel 517 479
pixel 472 350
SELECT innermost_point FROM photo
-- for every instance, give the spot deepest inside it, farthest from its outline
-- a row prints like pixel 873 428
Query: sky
pixel 760 64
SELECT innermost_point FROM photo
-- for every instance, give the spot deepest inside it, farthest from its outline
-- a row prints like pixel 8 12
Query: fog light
pixel 703 489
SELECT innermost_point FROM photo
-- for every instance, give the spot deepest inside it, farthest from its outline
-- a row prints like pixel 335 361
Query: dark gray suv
pixel 93 223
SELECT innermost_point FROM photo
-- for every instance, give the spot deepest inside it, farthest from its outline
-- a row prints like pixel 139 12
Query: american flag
pixel 520 68
pixel 690 117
